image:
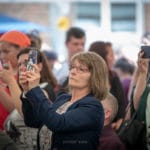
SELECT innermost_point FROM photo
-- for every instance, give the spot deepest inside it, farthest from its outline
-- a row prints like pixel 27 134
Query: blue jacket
pixel 77 129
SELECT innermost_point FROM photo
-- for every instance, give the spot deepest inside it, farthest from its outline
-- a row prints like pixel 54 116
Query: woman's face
pixel 8 53
pixel 79 76
pixel 22 62
pixel 110 57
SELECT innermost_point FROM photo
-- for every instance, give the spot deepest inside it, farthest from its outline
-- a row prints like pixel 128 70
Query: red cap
pixel 16 37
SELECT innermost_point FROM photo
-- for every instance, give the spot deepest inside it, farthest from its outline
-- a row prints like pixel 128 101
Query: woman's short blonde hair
pixel 98 83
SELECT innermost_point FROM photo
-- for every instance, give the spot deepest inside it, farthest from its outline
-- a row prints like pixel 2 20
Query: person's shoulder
pixel 114 141
pixel 90 100
pixel 64 66
pixel 114 75
pixel 62 72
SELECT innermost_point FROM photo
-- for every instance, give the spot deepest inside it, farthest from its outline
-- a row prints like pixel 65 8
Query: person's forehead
pixel 23 58
pixel 72 38
pixel 79 62
pixel 6 45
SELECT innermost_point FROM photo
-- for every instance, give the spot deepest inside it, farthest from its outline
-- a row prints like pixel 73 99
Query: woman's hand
pixel 143 67
pixel 23 80
pixel 116 125
pixel 29 79
pixel 143 64
pixel 33 77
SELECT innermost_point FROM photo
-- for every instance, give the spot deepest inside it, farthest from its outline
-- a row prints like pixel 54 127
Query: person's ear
pixel 107 114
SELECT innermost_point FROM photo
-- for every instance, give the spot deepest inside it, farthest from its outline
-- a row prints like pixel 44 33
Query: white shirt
pixel 62 73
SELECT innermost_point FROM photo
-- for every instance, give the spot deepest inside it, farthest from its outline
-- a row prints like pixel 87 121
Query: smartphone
pixel 32 59
pixel 146 50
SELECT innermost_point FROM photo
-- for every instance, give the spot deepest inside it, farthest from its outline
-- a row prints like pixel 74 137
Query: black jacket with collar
pixel 78 128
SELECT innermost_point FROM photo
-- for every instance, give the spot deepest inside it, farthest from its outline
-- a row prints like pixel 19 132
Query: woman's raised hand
pixel 29 79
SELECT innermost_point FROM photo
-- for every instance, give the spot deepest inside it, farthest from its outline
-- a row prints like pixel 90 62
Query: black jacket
pixel 76 129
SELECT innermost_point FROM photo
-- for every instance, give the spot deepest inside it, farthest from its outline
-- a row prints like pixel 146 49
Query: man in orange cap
pixel 11 44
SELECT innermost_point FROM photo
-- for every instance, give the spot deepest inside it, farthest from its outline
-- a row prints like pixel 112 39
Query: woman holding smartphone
pixel 76 119
pixel 15 119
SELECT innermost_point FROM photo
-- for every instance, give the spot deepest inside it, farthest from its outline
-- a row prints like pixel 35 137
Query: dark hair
pixel 46 73
pixel 146 35
pixel 75 32
pixel 99 47
pixel 124 65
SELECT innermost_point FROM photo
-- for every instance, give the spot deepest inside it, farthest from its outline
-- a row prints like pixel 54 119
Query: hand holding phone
pixel 32 59
pixel 146 50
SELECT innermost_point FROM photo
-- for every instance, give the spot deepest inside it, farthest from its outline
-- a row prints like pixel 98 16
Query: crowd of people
pixel 81 106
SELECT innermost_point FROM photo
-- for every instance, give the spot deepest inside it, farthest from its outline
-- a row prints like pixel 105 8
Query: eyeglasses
pixel 79 69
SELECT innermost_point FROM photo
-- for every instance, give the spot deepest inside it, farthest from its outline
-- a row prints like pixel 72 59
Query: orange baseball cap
pixel 16 37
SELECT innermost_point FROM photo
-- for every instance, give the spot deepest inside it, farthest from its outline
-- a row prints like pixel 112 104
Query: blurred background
pixel 123 22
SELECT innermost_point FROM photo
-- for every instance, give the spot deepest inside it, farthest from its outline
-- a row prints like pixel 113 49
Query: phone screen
pixel 146 50
pixel 32 59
